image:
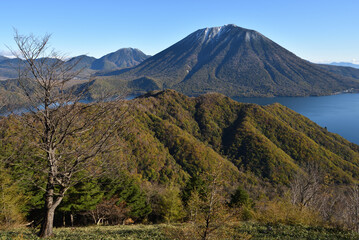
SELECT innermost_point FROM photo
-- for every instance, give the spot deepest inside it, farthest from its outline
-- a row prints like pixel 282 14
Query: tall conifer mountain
pixel 234 61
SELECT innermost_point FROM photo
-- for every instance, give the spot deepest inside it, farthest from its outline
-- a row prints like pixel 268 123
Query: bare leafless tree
pixel 328 203
pixel 109 212
pixel 352 206
pixel 306 186
pixel 68 134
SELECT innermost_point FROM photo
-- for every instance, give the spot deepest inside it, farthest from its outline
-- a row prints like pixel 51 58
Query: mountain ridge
pixel 344 64
pixel 346 71
pixel 231 60
pixel 2 58
pixel 271 141
pixel 237 62
pixel 122 58
pixel 172 137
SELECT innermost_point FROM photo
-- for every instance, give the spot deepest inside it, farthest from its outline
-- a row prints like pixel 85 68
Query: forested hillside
pixel 169 149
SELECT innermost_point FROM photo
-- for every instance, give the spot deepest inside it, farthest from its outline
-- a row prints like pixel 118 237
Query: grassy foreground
pixel 241 231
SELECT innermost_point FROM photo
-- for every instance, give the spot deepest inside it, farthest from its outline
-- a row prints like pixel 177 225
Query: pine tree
pixel 129 193
pixel 82 197
pixel 240 198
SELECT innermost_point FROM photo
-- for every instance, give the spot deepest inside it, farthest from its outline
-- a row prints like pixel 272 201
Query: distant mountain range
pixel 234 61
pixel 123 58
pixel 345 64
pixel 341 70
pixel 231 60
pixel 2 58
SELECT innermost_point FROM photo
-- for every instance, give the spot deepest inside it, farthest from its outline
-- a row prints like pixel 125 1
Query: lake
pixel 339 113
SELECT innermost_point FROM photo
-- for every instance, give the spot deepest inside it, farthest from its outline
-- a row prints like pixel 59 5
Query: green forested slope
pixel 170 144
pixel 172 137
pixel 271 141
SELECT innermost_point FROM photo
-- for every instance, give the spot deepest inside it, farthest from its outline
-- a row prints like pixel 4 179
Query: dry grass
pixel 243 230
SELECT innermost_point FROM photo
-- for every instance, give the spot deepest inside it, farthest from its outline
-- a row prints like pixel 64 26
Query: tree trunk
pixel 99 221
pixel 72 219
pixel 49 209
pixel 48 224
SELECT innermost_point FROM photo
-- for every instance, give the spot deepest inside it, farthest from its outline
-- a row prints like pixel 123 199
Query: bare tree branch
pixel 68 134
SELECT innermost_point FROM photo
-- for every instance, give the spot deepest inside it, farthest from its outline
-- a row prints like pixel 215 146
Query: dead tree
pixel 109 212
pixel 306 186
pixel 353 208
pixel 68 134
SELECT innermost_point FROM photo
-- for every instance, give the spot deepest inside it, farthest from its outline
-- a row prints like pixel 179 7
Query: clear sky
pixel 316 30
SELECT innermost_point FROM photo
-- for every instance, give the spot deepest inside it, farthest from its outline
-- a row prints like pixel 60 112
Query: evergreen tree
pixel 240 198
pixel 194 184
pixel 129 194
pixel 82 197
pixel 241 203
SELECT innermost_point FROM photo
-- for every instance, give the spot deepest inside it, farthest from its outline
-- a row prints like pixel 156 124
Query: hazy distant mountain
pixel 123 58
pixel 82 61
pixel 234 61
pixel 83 64
pixel 8 68
pixel 2 58
pixel 345 64
pixel 341 70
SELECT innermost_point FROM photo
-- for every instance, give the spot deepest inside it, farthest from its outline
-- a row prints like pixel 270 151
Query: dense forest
pixel 206 160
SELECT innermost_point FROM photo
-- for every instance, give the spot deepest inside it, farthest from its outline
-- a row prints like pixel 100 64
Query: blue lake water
pixel 339 113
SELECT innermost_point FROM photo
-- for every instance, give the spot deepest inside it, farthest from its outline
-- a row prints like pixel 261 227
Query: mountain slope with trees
pixel 173 137
pixel 193 151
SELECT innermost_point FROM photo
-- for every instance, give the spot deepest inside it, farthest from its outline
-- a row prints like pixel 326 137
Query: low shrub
pixel 282 211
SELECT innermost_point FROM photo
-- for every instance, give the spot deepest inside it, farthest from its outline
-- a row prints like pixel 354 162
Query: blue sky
pixel 316 30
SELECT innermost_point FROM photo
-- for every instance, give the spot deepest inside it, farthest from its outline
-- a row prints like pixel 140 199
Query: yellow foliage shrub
pixel 284 212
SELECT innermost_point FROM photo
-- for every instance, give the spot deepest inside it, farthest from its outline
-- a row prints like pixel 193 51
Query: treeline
pixel 210 201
